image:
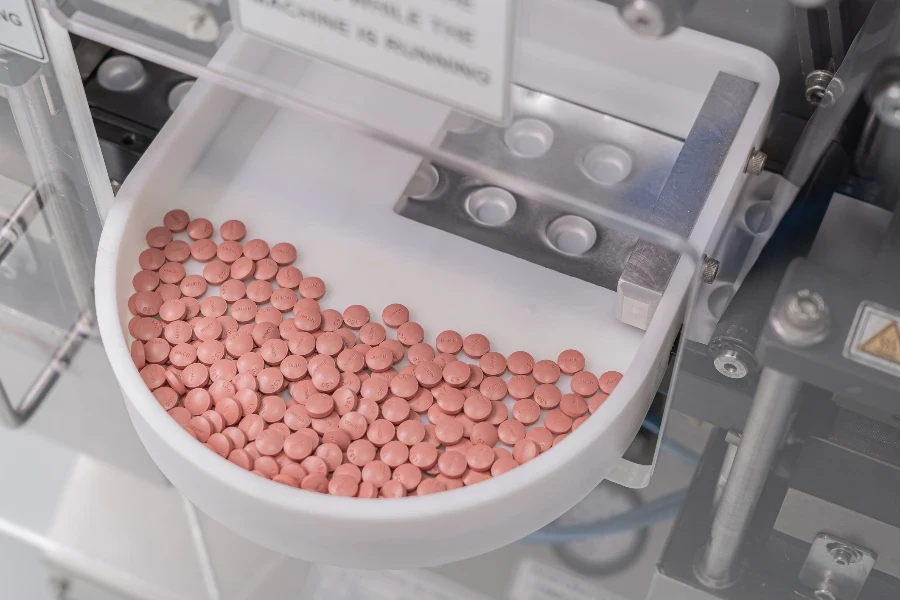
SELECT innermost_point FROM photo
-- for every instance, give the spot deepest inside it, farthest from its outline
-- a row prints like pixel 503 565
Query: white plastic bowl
pixel 331 192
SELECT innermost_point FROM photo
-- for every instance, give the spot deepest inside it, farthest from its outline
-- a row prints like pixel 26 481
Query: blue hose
pixel 644 515
pixel 679 451
pixel 655 511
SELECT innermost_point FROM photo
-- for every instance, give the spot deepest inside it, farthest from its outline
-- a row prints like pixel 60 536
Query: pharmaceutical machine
pixel 699 194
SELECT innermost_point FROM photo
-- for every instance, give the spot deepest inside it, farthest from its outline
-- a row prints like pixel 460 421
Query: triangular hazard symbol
pixel 884 344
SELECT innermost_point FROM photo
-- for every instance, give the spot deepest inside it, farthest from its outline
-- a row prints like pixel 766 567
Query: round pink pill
pixel 449 342
pixel 372 334
pixel 203 250
pixel 233 230
pixel 381 432
pixel 546 371
pixel 284 253
pixel 377 473
pixel 361 452
pixel 524 451
pixel 242 268
pixel 456 373
pixel 492 364
pixel 608 381
pixel 526 411
pixel 199 229
pixel 266 269
pixel 193 286
pixel 520 363
pixel 151 259
pixel 547 396
pixel 476 345
pixel 520 386
pixel 176 220
pixel 289 277
pixel 159 237
pixel 312 287
pixel 570 361
pixel 423 455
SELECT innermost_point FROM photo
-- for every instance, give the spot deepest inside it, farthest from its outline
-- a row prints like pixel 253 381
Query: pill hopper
pixel 244 144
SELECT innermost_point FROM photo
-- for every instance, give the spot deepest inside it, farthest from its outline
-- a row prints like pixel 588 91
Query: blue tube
pixel 655 511
pixel 669 446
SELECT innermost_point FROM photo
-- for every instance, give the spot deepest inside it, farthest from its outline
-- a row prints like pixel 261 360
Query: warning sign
pixel 875 338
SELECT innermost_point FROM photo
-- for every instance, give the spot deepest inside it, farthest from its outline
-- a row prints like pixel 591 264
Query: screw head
pixel 823 88
pixel 802 320
pixel 805 308
pixel 756 162
pixel 887 105
pixel 729 364
pixel 710 269
pixel 644 17
pixel 842 554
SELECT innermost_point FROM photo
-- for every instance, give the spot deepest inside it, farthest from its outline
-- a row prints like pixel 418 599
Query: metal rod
pixel 16 416
pixel 19 220
pixel 773 405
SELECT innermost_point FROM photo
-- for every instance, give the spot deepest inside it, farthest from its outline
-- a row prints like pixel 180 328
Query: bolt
pixel 644 17
pixel 756 162
pixel 803 320
pixel 805 308
pixel 729 364
pixel 887 105
pixel 826 591
pixel 843 555
pixel 822 89
pixel 710 269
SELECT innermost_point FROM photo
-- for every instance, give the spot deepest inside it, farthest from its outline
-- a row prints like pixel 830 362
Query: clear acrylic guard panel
pixel 261 104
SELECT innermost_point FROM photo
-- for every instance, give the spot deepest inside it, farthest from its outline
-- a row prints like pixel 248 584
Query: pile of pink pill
pixel 365 414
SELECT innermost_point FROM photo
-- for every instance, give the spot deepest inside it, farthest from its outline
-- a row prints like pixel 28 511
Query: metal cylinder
pixel 773 405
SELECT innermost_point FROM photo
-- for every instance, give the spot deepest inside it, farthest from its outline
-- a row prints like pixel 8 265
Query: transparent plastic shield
pixel 596 200
pixel 49 229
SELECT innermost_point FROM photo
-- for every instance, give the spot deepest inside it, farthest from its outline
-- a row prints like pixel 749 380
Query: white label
pixel 455 51
pixel 537 581
pixel 335 583
pixel 874 339
pixel 19 31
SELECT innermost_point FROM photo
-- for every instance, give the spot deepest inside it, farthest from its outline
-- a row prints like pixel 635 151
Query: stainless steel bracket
pixel 649 267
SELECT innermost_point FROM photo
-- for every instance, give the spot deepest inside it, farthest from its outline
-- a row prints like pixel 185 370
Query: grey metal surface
pixel 533 232
pixel 576 131
pixel 649 267
pixel 853 472
pixel 804 515
pixel 523 236
pixel 836 568
pixel 704 393
pixel 825 363
pixel 773 406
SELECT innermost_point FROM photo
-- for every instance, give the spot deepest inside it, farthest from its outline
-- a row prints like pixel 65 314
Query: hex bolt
pixel 843 555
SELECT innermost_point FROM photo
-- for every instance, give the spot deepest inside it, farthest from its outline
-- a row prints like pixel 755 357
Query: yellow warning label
pixel 884 344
